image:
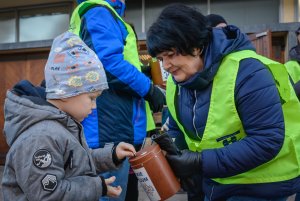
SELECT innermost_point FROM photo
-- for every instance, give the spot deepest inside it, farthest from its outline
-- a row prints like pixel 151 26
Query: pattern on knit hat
pixel 72 68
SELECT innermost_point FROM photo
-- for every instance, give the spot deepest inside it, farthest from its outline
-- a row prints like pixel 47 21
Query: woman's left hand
pixel 187 164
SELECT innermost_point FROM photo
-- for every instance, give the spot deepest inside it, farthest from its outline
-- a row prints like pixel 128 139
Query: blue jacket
pixel 120 110
pixel 294 55
pixel 259 107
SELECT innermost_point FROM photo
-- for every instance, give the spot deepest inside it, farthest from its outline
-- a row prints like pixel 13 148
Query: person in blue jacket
pixel 234 110
pixel 293 65
pixel 121 112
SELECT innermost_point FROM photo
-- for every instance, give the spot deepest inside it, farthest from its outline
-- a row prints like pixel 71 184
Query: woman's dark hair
pixel 180 27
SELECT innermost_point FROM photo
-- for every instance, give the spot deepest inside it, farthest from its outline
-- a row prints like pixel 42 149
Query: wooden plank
pixel 262 42
pixel 14 68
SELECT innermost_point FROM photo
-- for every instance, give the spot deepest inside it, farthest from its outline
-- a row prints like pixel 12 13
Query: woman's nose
pixel 166 65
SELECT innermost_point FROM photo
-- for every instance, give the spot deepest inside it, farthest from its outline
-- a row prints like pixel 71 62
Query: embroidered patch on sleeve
pixel 42 158
pixel 49 182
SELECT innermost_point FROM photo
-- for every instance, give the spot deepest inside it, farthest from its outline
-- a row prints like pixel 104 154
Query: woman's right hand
pixel 112 191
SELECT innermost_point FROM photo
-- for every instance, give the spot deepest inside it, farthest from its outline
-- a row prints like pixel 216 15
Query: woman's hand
pixel 124 150
pixel 112 191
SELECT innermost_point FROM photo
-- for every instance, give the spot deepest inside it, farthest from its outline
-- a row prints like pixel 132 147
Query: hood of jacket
pixel 224 41
pixel 118 5
pixel 295 53
pixel 25 105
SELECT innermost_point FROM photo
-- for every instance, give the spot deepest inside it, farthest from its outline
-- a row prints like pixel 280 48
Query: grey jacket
pixel 48 157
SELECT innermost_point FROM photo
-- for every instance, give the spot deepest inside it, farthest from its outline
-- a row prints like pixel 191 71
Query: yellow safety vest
pixel 293 69
pixel 223 119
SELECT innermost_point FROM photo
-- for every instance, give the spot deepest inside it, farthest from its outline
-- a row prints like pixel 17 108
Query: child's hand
pixel 125 150
pixel 112 191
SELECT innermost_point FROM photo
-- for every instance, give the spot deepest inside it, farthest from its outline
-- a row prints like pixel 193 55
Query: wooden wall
pixel 15 67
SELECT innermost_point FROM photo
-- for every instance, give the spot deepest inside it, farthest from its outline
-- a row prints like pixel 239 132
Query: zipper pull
pixel 71 159
pixel 69 162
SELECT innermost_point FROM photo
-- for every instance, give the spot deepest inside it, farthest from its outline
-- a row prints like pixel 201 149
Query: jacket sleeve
pixel 102 33
pixel 176 134
pixel 51 182
pixel 103 158
pixel 258 105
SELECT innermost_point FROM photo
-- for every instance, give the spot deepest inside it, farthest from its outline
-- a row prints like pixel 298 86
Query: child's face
pixel 79 107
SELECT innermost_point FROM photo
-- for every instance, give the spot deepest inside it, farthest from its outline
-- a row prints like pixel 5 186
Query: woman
pixel 239 126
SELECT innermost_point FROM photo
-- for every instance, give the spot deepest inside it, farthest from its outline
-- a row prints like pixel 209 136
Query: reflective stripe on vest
pixel 224 126
pixel 130 51
pixel 293 69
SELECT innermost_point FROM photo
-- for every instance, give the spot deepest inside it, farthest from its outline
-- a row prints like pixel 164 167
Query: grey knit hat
pixel 72 68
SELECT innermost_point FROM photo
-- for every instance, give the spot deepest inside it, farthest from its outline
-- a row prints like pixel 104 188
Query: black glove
pixel 193 186
pixel 186 183
pixel 166 143
pixel 155 98
pixel 185 165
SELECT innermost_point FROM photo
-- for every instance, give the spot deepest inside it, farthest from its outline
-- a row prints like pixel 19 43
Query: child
pixel 48 157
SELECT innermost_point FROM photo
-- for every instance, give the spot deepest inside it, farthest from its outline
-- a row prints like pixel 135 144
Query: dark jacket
pixel 295 56
pixel 294 53
pixel 259 107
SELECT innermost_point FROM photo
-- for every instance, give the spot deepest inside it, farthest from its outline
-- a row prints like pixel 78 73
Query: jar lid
pixel 144 154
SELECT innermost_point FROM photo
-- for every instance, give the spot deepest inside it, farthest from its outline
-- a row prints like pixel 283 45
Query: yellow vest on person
pixel 223 121
pixel 130 51
pixel 293 69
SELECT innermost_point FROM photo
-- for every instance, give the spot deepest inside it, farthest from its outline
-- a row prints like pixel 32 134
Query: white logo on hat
pixel 59 92
pixel 58 49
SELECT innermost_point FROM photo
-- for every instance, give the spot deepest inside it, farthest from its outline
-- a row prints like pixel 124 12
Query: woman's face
pixel 182 67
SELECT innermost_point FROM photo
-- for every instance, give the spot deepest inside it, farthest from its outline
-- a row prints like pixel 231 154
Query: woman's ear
pixel 197 51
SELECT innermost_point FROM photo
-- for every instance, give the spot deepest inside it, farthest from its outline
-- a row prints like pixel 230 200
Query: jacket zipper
pixel 194 115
